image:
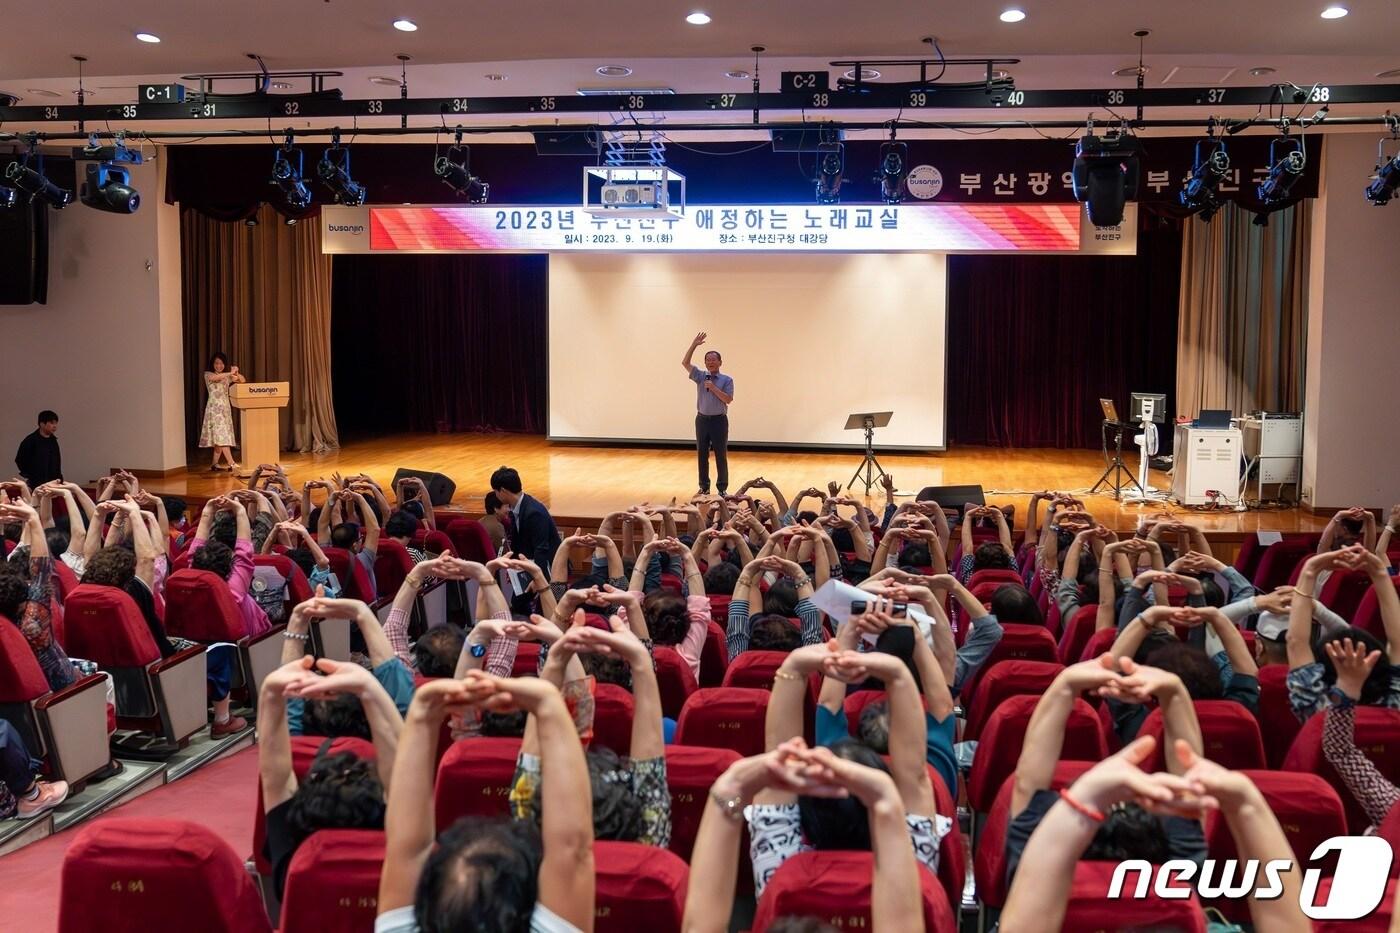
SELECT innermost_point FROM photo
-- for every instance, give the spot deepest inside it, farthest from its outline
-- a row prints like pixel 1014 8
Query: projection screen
pixel 808 340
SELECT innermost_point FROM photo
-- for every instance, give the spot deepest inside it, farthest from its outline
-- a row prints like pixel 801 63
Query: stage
pixel 580 484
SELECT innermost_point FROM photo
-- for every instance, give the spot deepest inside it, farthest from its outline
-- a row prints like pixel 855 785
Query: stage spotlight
pixel 831 167
pixel 9 197
pixel 1105 175
pixel 454 169
pixel 287 175
pixel 894 159
pixel 108 188
pixel 1384 180
pixel 334 169
pixel 32 182
pixel 1211 166
pixel 1286 163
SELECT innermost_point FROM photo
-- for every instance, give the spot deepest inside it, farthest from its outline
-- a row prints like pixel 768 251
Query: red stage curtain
pixel 439 343
pixel 1035 341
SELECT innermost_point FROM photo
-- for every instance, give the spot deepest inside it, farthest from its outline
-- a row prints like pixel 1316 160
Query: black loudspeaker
pixel 24 253
pixel 441 489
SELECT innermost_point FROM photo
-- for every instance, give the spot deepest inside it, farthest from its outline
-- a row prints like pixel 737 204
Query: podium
pixel 257 404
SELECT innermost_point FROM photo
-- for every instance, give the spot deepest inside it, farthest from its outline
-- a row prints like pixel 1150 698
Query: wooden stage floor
pixel 583 483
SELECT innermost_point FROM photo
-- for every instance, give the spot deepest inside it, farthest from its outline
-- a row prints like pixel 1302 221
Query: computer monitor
pixel 1155 401
pixel 1216 418
pixel 1110 410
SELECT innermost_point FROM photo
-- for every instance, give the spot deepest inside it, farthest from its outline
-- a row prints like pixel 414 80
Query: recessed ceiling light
pixel 148 37
pixel 42 92
pixel 405 25
pixel 613 71
pixel 384 80
pixel 280 85
pixel 866 74
pixel 738 74
pixel 1012 15
pixel 698 18
pixel 1392 73
pixel 1335 12
pixel 1130 71
pixel 496 77
pixel 1262 70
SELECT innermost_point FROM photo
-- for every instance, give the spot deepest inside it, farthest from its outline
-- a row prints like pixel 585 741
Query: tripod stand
pixel 868 421
pixel 1116 472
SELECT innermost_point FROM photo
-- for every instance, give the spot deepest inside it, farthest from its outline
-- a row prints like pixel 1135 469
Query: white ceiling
pixel 553 48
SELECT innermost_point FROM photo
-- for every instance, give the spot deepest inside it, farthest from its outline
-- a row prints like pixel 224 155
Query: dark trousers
pixel 17 769
pixel 712 433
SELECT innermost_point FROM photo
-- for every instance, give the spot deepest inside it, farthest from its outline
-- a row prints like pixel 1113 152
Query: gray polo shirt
pixel 705 402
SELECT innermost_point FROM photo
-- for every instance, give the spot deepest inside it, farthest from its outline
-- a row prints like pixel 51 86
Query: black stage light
pixel 1286 163
pixel 287 175
pixel 1211 165
pixel 108 188
pixel 32 182
pixel 894 161
pixel 831 167
pixel 454 169
pixel 334 169
pixel 1105 175
pixel 1384 180
pixel 9 197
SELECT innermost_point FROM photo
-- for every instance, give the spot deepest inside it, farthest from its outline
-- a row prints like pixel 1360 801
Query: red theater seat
pixel 167 697
pixel 1098 643
pixel 690 771
pixel 333 882
pixel 1090 908
pixel 392 563
pixel 1276 720
pixel 1343 591
pixel 1368 614
pixel 754 669
pixel 1007 679
pixel 834 886
pixel 125 875
pixel 304 748
pixel 470 540
pixel 989 862
pixel 473 779
pixel 64 579
pixel 298 588
pixel 857 702
pixel 1078 630
pixel 66 728
pixel 997 576
pixel 719 610
pixel 1230 733
pixel 354 579
pixel 714 657
pixel 724 717
pixel 1018 643
pixel 527 659
pixel 1279 560
pixel 1377 735
pixel 1308 810
pixel 612 718
pixel 639 887
pixel 437 542
pixel 674 680
pixel 199 606
pixel 1000 745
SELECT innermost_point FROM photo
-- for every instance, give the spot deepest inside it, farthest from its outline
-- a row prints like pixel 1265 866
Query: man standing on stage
pixel 714 391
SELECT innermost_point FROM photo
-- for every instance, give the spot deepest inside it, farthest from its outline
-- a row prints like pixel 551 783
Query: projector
pixel 633 194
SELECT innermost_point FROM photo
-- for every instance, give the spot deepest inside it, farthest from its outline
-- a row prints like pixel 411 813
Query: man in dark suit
pixel 532 530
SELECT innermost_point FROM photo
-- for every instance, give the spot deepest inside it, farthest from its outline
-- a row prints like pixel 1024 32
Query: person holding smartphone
pixel 714 393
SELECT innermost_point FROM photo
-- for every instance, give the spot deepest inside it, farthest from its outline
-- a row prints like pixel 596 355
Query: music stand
pixel 868 421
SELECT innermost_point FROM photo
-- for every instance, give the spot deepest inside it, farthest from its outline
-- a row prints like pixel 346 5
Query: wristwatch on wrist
pixel 1339 699
pixel 477 651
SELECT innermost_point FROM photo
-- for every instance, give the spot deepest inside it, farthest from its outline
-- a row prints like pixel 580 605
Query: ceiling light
pixel 613 71
pixel 384 81
pixel 334 169
pixel 1012 15
pixel 894 158
pixel 1211 165
pixel 405 25
pixel 1105 175
pixel 148 37
pixel 1385 179
pixel 1131 71
pixel 42 92
pixel 1261 71
pixel 280 85
pixel 287 175
pixel 454 169
pixel 698 18
pixel 866 74
pixel 496 77
pixel 1392 73
pixel 1287 160
pixel 27 177
pixel 738 74
pixel 1335 12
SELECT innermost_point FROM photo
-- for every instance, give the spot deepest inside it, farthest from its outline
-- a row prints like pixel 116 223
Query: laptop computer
pixel 1110 410
pixel 1217 418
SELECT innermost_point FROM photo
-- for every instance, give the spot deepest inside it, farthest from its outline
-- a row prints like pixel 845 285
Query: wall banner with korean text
pixel 917 227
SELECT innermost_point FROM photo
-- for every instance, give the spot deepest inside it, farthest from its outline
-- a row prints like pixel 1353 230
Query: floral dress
pixel 217 430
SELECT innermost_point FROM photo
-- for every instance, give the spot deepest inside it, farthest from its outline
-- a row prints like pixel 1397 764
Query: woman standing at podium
pixel 217 430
